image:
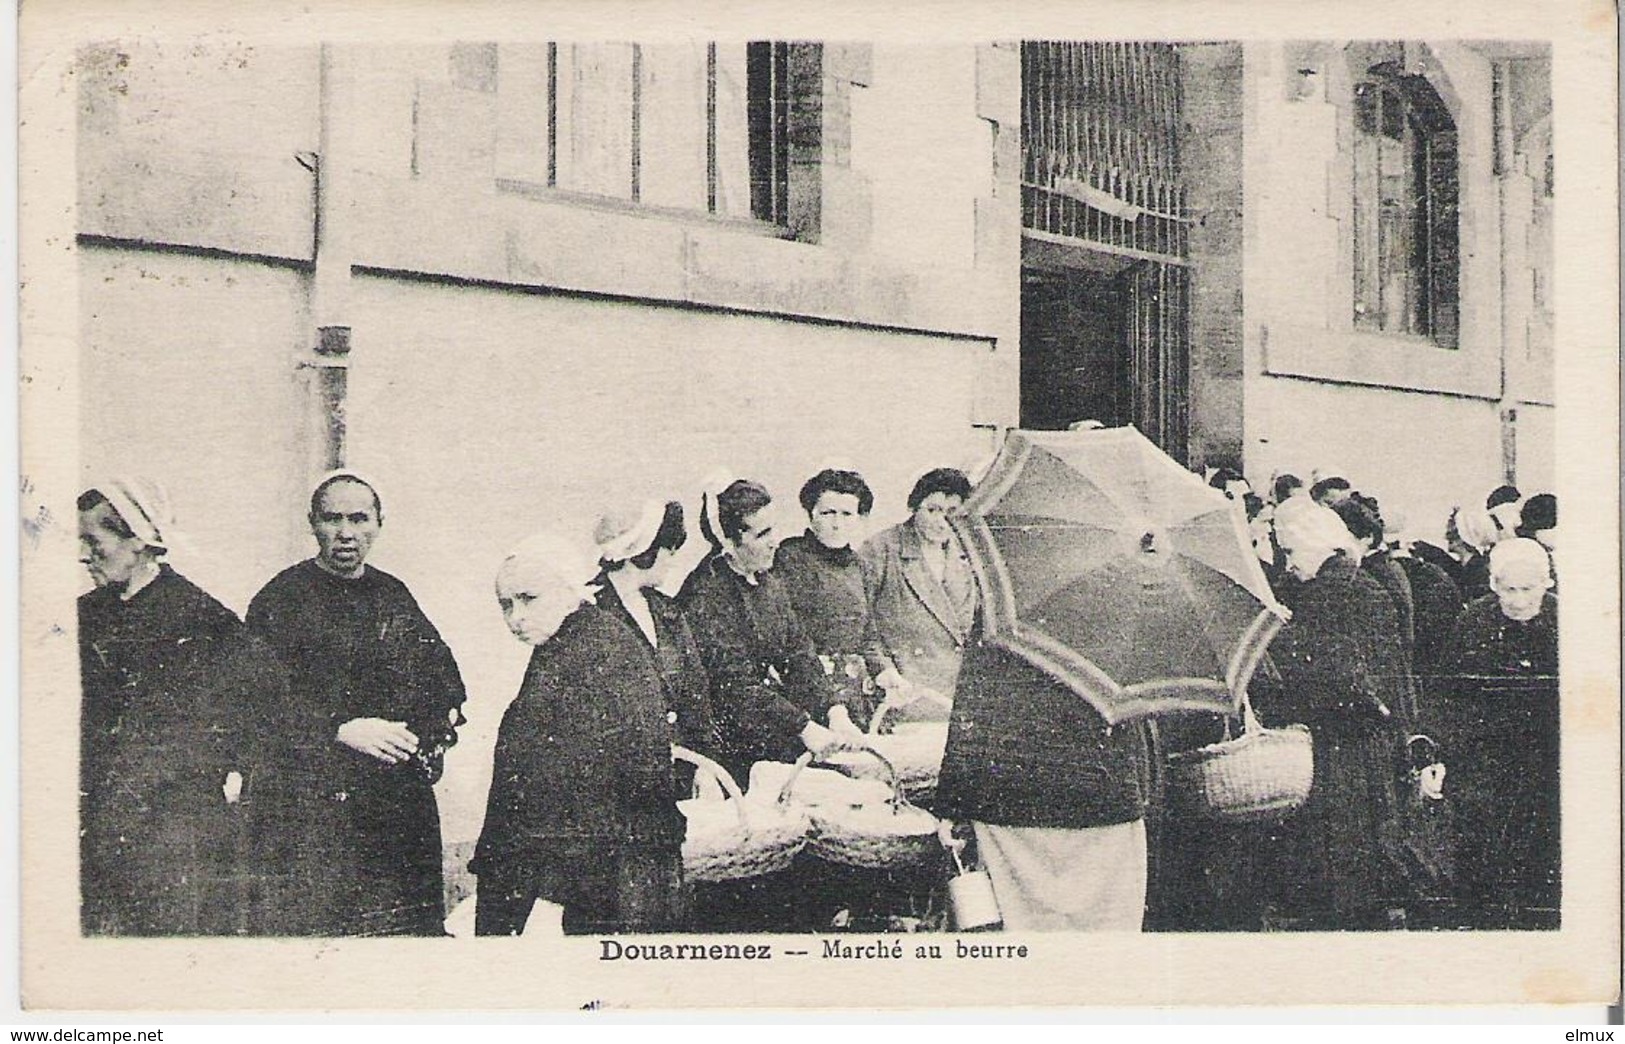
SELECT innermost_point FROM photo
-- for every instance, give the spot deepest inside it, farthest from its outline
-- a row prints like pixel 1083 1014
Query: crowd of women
pixel 1426 676
pixel 769 650
pixel 1428 679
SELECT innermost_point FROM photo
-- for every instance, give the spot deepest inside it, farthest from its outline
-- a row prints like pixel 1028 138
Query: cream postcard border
pixel 1580 964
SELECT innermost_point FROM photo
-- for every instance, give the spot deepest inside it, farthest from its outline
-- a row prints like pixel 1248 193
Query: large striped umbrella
pixel 1108 565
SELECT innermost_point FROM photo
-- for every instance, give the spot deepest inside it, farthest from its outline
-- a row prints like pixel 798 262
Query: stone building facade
pixel 519 283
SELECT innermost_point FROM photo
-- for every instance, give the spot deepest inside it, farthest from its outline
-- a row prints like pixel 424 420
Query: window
pixel 1406 205
pixel 727 130
pixel 767 74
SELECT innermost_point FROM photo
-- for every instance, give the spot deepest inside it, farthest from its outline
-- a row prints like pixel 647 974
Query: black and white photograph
pixel 872 510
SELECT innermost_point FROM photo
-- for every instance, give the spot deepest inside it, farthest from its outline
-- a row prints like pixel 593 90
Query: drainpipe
pixel 329 358
pixel 1501 101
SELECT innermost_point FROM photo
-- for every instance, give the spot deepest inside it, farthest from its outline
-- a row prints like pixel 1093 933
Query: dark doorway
pixel 1074 348
pixel 1104 337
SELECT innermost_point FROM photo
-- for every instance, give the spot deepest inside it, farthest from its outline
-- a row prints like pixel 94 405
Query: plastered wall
pixel 485 415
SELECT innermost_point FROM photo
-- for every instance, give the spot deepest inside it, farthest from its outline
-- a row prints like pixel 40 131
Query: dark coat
pixel 175 695
pixel 1475 577
pixel 582 785
pixel 827 593
pixel 1438 603
pixel 362 648
pixel 1423 551
pixel 1342 674
pixel 1025 750
pixel 1396 583
pixel 1501 737
pixel 766 681
pixel 1391 576
pixel 922 623
pixel 687 688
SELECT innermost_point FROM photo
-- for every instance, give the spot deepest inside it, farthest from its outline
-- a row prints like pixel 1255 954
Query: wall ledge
pixel 1404 363
pixel 435 230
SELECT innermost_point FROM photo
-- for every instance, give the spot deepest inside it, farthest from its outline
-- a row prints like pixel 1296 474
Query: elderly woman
pixel 821 571
pixel 1502 733
pixel 175 697
pixel 922 593
pixel 1342 673
pixel 583 804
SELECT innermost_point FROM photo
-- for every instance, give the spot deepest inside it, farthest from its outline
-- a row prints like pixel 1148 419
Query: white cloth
pixel 621 535
pixel 144 505
pixel 1053 879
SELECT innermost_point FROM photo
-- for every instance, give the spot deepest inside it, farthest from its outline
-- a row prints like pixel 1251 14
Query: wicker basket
pixel 727 840
pixel 913 750
pixel 816 787
pixel 1258 775
pixel 872 837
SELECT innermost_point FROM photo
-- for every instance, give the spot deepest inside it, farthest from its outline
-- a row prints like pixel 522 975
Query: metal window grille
pixel 1107 116
pixel 1104 115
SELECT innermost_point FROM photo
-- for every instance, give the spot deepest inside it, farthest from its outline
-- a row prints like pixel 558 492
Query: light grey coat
pixel 922 622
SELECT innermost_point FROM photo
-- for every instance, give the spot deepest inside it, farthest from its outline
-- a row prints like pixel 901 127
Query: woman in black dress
pixel 1342 672
pixel 177 702
pixel 583 804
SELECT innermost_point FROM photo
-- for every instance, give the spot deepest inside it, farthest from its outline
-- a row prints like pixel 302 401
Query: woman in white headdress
pixel 583 804
pixel 1342 674
pixel 175 698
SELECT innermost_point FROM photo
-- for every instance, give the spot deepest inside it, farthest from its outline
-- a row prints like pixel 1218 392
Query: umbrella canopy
pixel 1109 566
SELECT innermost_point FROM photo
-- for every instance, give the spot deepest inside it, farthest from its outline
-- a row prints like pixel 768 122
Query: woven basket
pixel 816 787
pixel 913 750
pixel 1258 775
pixel 872 837
pixel 735 838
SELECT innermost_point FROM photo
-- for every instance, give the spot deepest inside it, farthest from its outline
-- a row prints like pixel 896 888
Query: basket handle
pixel 729 786
pixel 888 705
pixel 885 708
pixel 897 799
pixel 1249 719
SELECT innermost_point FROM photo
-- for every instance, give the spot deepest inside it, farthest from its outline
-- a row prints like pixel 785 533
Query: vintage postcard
pixel 545 506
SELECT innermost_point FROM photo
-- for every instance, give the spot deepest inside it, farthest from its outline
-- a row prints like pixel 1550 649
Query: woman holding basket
pixel 771 694
pixel 1342 672
pixel 772 697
